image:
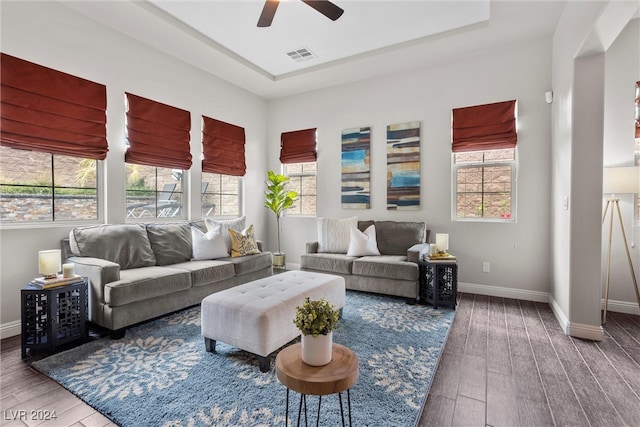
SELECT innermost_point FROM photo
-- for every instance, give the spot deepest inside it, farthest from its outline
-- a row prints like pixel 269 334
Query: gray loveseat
pixel 393 272
pixel 141 271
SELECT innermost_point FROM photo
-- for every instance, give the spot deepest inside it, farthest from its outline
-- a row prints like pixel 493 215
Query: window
pixel 484 184
pixel 53 134
pixel 220 195
pixel 40 187
pixel 157 153
pixel 302 179
pixel 484 140
pixel 153 192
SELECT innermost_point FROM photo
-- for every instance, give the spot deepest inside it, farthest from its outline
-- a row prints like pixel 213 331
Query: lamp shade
pixel 49 262
pixel 442 241
pixel 621 180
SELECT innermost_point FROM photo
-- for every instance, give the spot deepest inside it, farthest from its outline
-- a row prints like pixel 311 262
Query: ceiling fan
pixel 325 7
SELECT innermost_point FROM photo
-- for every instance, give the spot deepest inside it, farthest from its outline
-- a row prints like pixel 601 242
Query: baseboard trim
pixel 10 329
pixel 559 314
pixel 622 307
pixel 589 332
pixel 497 291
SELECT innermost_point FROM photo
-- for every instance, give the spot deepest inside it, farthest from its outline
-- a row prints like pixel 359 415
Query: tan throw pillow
pixel 243 242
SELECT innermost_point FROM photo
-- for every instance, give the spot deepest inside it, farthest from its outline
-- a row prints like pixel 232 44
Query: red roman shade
pixel 638 109
pixel 298 146
pixel 484 127
pixel 46 110
pixel 158 134
pixel 223 148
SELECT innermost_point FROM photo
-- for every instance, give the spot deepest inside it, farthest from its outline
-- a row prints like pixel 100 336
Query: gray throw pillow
pixel 125 244
pixel 395 238
pixel 171 243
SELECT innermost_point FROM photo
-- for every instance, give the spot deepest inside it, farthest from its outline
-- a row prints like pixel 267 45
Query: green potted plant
pixel 316 319
pixel 278 199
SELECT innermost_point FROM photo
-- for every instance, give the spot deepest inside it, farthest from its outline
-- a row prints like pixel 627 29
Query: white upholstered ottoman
pixel 258 316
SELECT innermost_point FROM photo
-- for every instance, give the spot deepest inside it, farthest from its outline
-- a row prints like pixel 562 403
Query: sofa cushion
pixel 250 263
pixel 171 242
pixel 363 243
pixel 333 234
pixel 207 271
pixel 243 242
pixel 395 237
pixel 209 245
pixel 330 263
pixel 125 244
pixel 237 224
pixel 139 284
pixel 386 266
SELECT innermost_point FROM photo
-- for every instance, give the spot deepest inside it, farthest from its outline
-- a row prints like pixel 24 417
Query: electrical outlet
pixel 486 267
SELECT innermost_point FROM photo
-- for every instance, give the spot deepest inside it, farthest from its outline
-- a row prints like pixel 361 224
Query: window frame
pixel 157 191
pixel 99 199
pixel 240 188
pixel 314 175
pixel 514 180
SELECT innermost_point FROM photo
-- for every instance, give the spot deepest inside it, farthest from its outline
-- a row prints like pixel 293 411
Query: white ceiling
pixel 365 26
pixel 371 38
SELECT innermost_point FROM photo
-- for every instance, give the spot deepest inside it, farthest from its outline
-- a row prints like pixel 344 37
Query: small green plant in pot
pixel 278 199
pixel 317 319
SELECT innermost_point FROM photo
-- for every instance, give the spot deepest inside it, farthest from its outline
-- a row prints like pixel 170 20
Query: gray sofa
pixel 393 272
pixel 141 271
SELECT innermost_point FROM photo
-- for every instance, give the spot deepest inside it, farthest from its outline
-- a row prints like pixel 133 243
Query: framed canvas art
pixel 403 166
pixel 356 169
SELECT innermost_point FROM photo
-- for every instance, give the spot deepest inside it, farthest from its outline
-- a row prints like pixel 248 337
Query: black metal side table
pixel 438 282
pixel 53 317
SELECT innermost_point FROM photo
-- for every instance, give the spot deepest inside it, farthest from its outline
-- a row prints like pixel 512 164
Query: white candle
pixel 68 270
pixel 433 249
pixel 442 241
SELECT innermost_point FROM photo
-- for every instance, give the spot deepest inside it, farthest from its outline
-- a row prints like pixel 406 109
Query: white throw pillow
pixel 226 224
pixel 363 243
pixel 334 234
pixel 209 245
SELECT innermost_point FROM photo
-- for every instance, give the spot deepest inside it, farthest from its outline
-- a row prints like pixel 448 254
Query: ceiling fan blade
pixel 268 12
pixel 326 8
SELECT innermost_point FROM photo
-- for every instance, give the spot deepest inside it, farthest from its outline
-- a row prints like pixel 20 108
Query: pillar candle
pixel 68 270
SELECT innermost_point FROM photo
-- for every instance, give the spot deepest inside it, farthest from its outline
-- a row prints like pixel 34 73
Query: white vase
pixel 317 351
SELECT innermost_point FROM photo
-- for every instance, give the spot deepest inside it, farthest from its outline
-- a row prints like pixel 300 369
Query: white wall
pixel 586 30
pixel 622 70
pixel 518 253
pixel 49 34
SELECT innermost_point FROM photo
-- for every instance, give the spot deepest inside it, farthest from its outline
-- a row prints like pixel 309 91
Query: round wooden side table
pixel 337 376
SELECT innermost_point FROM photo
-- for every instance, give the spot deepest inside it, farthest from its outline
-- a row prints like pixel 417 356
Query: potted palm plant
pixel 316 319
pixel 278 199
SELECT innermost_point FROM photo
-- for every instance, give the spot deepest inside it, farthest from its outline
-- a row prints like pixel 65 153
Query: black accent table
pixel 53 317
pixel 438 282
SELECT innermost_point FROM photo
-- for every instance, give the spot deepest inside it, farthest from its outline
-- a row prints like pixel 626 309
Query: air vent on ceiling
pixel 301 55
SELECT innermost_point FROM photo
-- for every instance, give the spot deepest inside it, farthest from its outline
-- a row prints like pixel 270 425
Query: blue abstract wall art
pixel 356 193
pixel 403 166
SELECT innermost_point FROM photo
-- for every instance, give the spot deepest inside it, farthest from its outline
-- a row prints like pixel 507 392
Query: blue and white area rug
pixel 161 375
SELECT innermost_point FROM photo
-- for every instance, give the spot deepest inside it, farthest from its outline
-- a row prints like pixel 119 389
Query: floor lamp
pixel 618 180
